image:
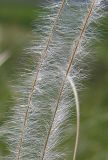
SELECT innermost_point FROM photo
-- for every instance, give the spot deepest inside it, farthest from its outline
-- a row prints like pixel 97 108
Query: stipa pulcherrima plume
pixel 41 126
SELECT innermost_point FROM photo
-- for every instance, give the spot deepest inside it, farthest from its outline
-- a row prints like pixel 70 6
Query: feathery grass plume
pixel 49 22
pixel 45 123
pixel 43 55
pixel 52 128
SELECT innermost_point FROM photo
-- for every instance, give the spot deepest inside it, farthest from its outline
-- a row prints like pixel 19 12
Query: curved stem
pixel 77 113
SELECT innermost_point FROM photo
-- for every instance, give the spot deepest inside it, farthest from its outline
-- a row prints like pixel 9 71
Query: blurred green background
pixel 16 19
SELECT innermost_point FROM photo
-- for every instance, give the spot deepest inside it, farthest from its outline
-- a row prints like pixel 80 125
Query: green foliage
pixel 18 15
